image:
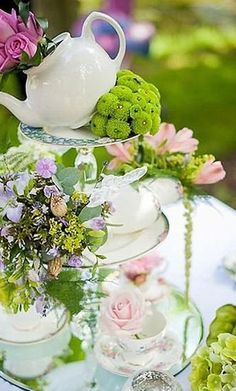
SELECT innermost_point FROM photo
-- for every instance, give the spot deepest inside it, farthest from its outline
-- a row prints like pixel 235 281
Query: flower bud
pixel 54 267
pixel 58 206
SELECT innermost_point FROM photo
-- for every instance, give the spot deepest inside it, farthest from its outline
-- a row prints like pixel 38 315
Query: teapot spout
pixel 20 109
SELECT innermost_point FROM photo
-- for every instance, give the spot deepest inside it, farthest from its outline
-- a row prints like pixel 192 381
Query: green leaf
pixel 43 23
pixel 68 158
pixel 96 234
pixel 87 214
pixel 75 352
pixel 68 177
pixel 24 9
pixel 68 293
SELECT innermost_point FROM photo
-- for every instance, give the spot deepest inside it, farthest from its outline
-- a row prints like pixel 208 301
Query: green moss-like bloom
pixel 98 125
pixel 118 129
pixel 149 96
pixel 124 72
pixel 129 82
pixel 107 104
pixel 154 89
pixel 142 124
pixel 122 92
pixel 156 121
pixel 122 110
pixel 135 111
pixel 139 100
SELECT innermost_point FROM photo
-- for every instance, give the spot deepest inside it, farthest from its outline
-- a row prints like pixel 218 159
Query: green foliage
pixel 131 107
pixel 67 289
pixel 68 177
pixel 90 213
pixel 75 352
pixel 224 322
pixel 214 367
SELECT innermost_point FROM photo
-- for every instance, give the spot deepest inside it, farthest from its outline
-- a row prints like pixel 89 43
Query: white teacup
pixel 139 351
pixel 136 209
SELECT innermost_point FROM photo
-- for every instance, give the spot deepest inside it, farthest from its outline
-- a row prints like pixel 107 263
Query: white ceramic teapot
pixel 64 89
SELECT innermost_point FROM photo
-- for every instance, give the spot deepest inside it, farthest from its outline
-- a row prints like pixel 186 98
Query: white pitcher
pixel 64 89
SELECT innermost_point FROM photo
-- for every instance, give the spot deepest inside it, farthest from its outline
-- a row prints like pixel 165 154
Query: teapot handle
pixel 87 32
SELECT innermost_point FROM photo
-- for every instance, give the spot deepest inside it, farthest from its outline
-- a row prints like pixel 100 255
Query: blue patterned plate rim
pixel 41 135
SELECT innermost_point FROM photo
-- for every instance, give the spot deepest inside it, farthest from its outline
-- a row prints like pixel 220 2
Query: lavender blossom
pixel 5 233
pixel 54 252
pixel 20 183
pixel 33 276
pixel 14 213
pixel 51 190
pixel 42 305
pixel 97 223
pixel 75 261
pixel 46 168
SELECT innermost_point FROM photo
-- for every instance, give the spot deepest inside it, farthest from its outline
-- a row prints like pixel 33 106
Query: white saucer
pixel 122 248
pixel 167 354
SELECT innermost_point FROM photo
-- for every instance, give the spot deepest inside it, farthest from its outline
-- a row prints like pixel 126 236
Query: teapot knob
pixel 87 32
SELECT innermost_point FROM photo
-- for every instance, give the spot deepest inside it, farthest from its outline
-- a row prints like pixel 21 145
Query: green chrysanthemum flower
pixel 122 92
pixel 151 109
pixel 156 121
pixel 140 100
pixel 98 125
pixel 142 124
pixel 107 104
pixel 130 82
pixel 118 129
pixel 135 111
pixel 149 96
pixel 124 72
pixel 122 110
pixel 154 89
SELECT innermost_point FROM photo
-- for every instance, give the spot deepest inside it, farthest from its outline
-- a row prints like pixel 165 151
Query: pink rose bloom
pixel 16 38
pixel 167 140
pixel 142 266
pixel 210 172
pixel 122 153
pixel 123 312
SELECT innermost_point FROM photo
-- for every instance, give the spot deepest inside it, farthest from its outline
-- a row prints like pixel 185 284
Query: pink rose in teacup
pixel 123 312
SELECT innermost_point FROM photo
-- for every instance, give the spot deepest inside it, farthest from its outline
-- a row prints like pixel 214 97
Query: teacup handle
pixel 87 32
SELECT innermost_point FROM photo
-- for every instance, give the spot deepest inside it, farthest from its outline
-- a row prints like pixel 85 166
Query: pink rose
pixel 142 266
pixel 16 38
pixel 123 153
pixel 123 312
pixel 167 140
pixel 210 172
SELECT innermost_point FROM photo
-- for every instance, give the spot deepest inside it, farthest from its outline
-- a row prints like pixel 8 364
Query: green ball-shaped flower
pixel 122 110
pixel 98 125
pixel 149 96
pixel 122 92
pixel 130 82
pixel 107 104
pixel 135 111
pixel 124 72
pixel 142 124
pixel 151 109
pixel 156 121
pixel 139 100
pixel 118 129
pixel 154 89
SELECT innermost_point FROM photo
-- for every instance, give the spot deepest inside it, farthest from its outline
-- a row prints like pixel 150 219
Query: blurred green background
pixel 192 60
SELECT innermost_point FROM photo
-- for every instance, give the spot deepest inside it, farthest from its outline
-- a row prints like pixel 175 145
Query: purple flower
pixel 51 190
pixel 2 266
pixel 42 305
pixel 19 184
pixel 53 252
pixel 5 233
pixel 111 207
pixel 33 276
pixel 97 223
pixel 75 261
pixel 14 213
pixel 46 168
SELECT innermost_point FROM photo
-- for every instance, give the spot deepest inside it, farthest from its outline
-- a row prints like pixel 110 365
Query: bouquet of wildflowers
pixel 45 227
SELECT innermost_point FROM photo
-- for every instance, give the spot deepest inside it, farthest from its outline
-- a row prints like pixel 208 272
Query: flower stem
pixel 188 206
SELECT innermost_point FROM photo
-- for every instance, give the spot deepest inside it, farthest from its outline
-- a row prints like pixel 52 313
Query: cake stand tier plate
pixel 79 138
pixel 67 372
pixel 122 248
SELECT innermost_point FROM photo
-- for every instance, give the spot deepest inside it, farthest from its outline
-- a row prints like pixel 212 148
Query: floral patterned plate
pixel 168 353
pixel 80 138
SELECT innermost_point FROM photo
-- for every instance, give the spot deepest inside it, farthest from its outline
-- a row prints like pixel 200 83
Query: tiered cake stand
pixel 70 370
